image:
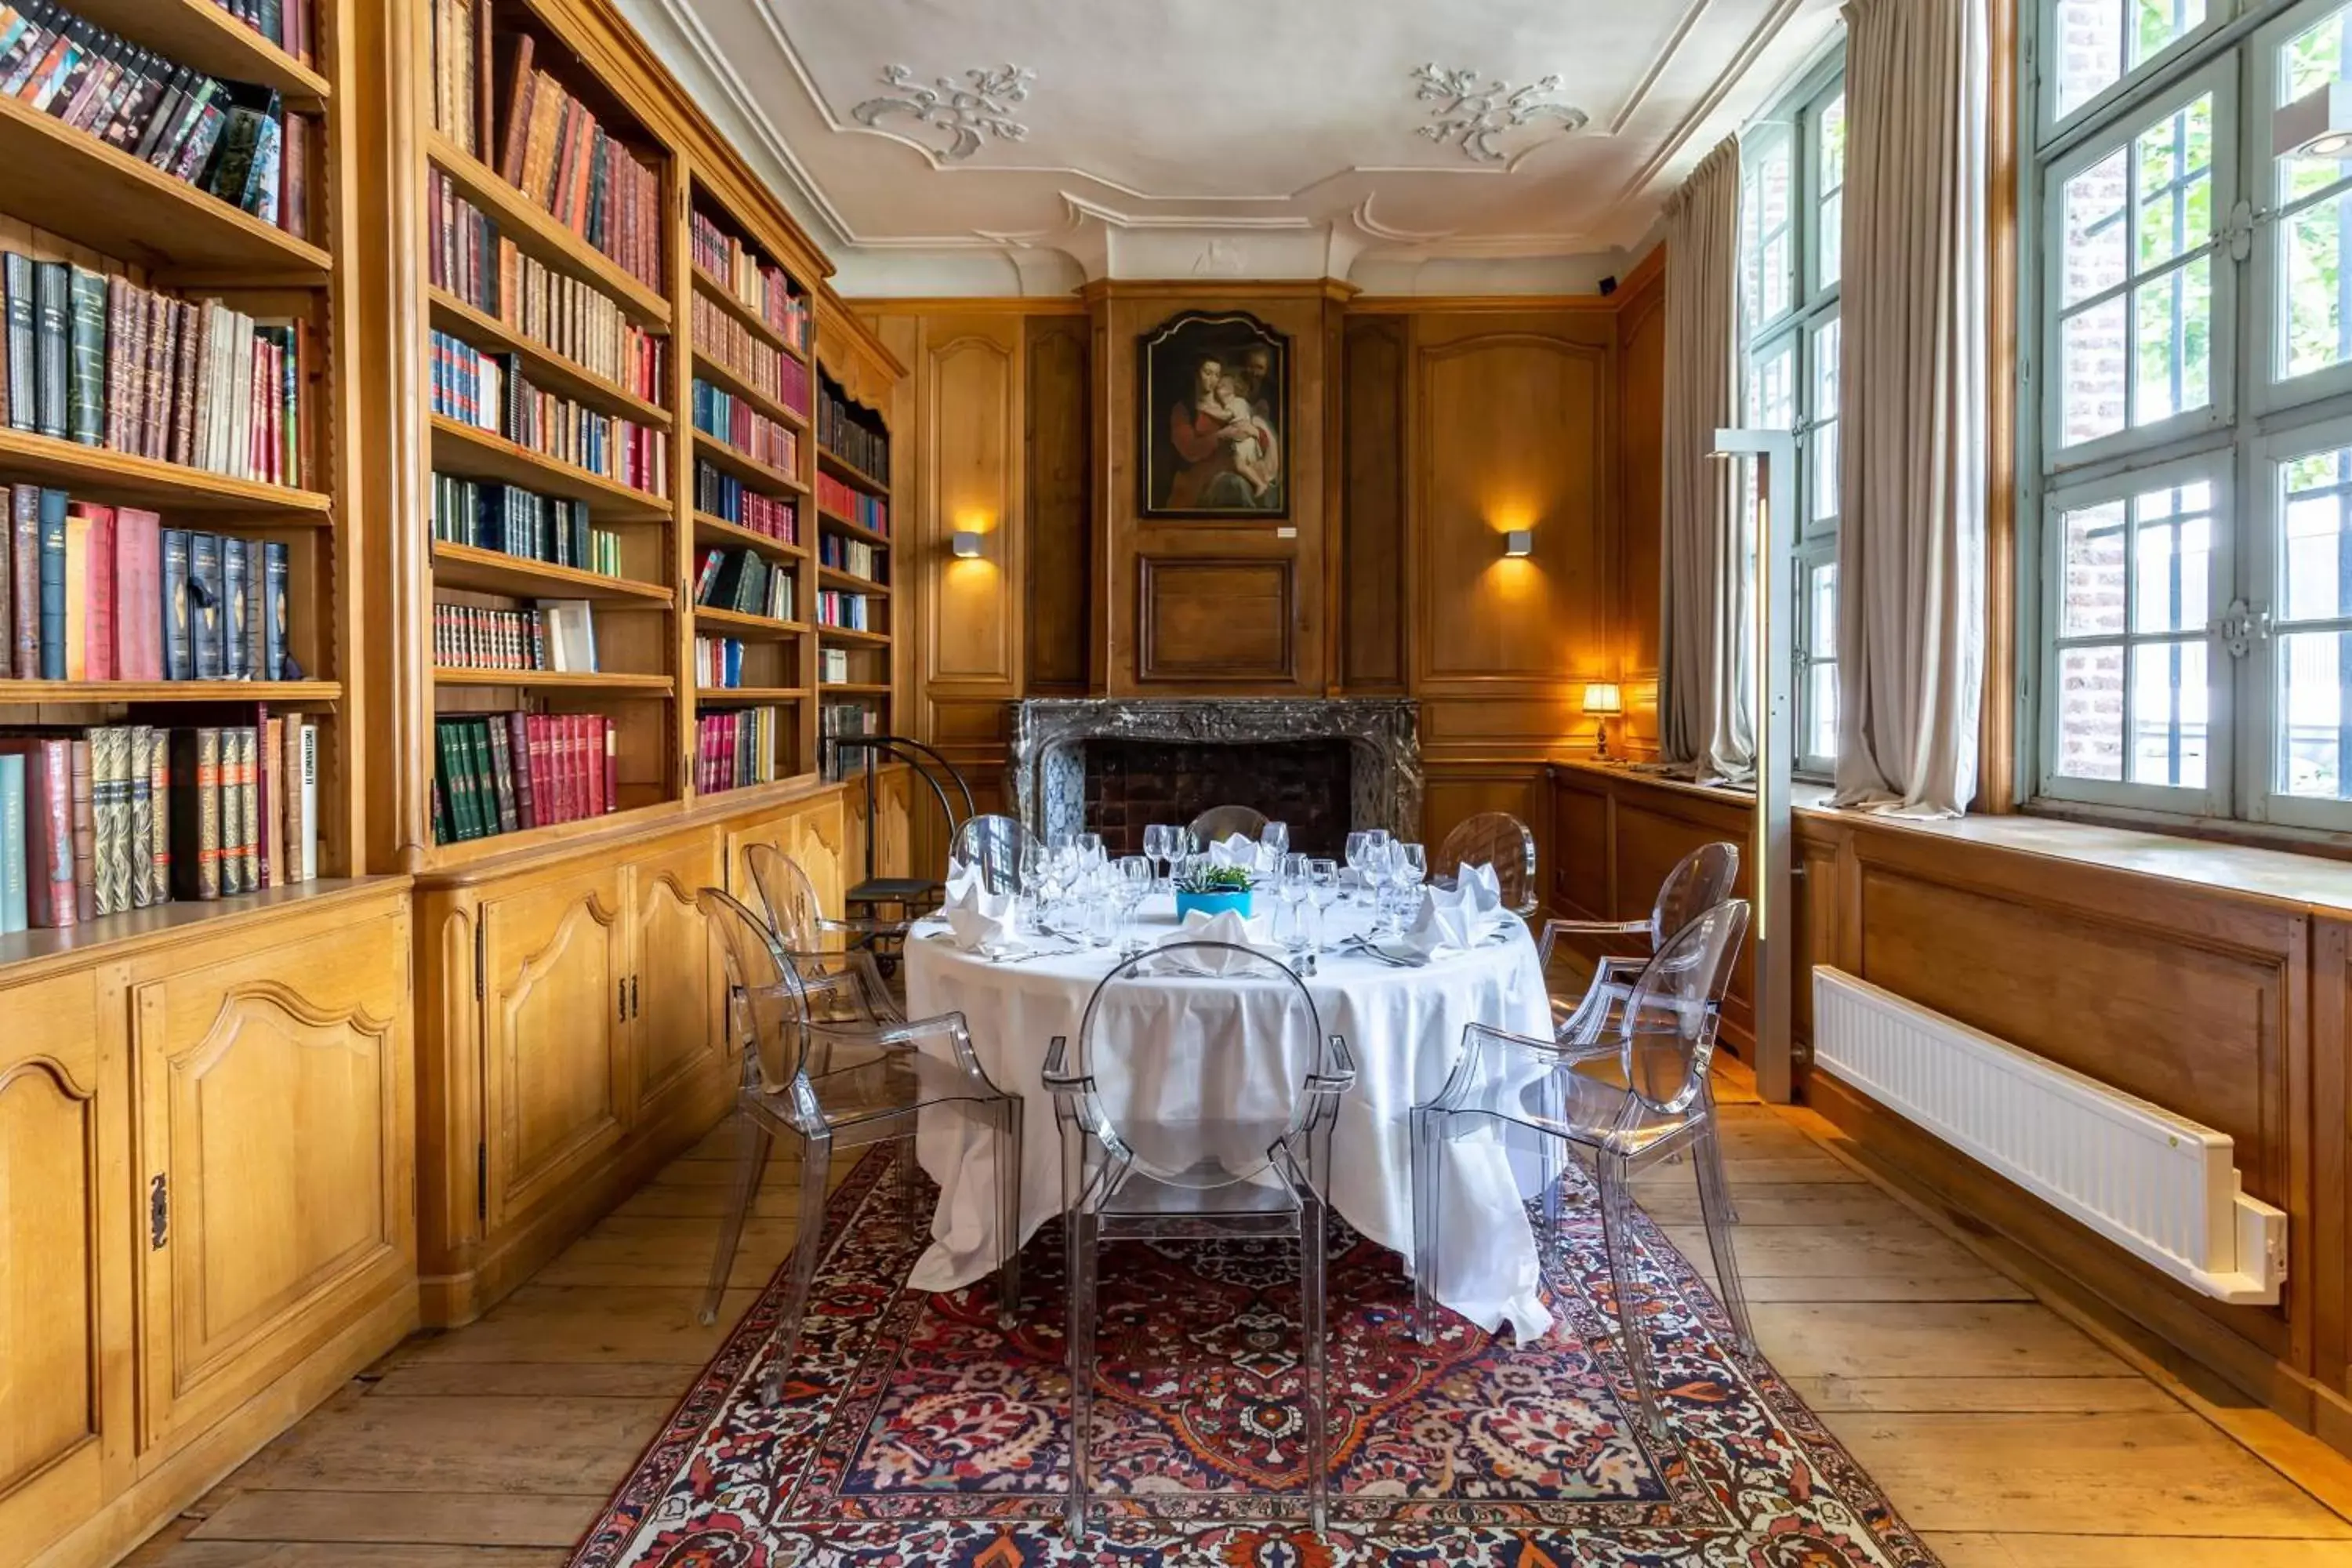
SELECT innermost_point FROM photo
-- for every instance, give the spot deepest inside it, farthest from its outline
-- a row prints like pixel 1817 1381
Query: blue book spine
pixel 274 626
pixel 12 845
pixel 53 584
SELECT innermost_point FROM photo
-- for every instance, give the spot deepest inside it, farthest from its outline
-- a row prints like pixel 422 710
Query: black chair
pixel 884 907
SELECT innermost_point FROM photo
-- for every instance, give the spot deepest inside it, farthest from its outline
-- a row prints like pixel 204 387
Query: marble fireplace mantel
pixel 1384 736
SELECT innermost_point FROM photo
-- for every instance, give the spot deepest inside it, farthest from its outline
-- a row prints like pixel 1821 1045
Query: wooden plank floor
pixel 2008 1436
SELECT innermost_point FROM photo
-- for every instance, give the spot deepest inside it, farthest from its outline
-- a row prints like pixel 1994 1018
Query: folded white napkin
pixel 1481 881
pixel 1254 936
pixel 1447 919
pixel 1237 850
pixel 977 918
pixel 963 877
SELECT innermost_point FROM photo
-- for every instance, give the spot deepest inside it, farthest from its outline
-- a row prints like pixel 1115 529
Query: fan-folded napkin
pixel 1254 939
pixel 976 918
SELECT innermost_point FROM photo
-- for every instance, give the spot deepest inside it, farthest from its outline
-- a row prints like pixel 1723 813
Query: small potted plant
pixel 1212 889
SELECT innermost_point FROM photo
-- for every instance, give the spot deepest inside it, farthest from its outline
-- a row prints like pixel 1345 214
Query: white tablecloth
pixel 1404 1026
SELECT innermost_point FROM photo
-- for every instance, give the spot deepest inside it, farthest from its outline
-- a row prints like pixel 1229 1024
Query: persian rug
pixel 913 1433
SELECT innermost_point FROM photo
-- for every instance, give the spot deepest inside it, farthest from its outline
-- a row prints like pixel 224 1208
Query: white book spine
pixel 307 855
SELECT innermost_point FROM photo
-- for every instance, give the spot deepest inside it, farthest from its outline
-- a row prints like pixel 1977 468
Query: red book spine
pixel 138 595
pixel 542 779
pixel 48 833
pixel 99 586
pixel 609 763
pixel 519 763
pixel 576 727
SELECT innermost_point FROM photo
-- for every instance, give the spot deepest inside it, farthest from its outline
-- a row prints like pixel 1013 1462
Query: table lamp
pixel 1602 702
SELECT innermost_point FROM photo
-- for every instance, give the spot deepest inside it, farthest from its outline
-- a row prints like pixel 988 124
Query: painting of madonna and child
pixel 1216 404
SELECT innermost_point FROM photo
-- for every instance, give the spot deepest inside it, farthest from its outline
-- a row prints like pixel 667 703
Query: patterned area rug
pixel 914 1434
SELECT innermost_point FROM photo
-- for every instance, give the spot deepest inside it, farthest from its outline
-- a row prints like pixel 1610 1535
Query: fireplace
pixel 1077 760
pixel 1130 785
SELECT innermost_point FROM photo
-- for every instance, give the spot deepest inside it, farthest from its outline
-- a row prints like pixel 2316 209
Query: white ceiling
pixel 1007 146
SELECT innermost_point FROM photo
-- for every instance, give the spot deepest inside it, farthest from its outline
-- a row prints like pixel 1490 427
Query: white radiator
pixel 2157 1185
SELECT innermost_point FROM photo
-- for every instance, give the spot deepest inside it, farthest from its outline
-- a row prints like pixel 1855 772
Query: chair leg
pixel 1730 1209
pixel 1079 1265
pixel 808 1241
pixel 1428 1151
pixel 1317 1362
pixel 1009 1154
pixel 1617 1229
pixel 753 1141
pixel 1714 1207
pixel 1556 1158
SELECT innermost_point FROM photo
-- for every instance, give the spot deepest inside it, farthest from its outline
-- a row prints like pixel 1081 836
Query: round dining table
pixel 1402 1022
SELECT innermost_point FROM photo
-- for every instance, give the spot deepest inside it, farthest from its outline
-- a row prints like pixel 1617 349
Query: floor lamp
pixel 1774 453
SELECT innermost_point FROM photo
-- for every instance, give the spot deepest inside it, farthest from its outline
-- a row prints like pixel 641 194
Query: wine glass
pixel 1291 882
pixel 1408 867
pixel 1276 836
pixel 1322 890
pixel 1133 878
pixel 1089 847
pixel 1159 847
pixel 1358 844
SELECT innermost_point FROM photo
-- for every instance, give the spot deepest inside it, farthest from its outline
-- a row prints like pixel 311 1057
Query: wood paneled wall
pixel 1641 515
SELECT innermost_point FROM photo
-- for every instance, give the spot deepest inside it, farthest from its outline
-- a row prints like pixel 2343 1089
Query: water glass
pixel 1359 847
pixel 1322 890
pixel 1089 847
pixel 1159 846
pixel 1276 836
pixel 1408 867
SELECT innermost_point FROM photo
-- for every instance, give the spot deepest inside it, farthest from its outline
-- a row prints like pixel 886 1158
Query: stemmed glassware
pixel 1292 883
pixel 1131 883
pixel 1408 867
pixel 1323 887
pixel 1159 848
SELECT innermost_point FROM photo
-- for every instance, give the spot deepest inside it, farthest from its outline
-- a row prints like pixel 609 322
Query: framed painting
pixel 1215 410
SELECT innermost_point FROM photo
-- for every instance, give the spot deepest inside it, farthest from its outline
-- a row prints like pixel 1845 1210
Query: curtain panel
pixel 1911 546
pixel 1706 716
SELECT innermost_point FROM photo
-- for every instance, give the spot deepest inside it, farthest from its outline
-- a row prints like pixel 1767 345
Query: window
pixel 1792 204
pixel 2193 443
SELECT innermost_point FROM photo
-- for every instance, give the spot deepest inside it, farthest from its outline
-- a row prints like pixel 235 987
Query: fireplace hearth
pixel 1130 785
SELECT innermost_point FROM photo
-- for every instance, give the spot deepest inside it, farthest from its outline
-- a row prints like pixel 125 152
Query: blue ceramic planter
pixel 1211 903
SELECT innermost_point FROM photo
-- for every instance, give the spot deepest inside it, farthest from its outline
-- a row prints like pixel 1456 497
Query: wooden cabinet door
pixel 554 1026
pixel 60 1135
pixel 276 1197
pixel 674 984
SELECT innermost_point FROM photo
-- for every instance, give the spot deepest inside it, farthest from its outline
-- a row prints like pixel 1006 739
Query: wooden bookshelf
pixel 851 582
pixel 716 289
pixel 746 467
pixel 842 469
pixel 547 370
pixel 717 372
pixel 539 233
pixel 14 693
pixel 556 679
pixel 472 453
pixel 120 478
pixel 707 695
pixel 201 34
pixel 854 688
pixel 717 531
pixel 751 628
pixel 850 634
pixel 495 572
pixel 840 524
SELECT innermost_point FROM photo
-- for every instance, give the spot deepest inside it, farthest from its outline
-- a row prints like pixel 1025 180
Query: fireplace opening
pixel 1130 785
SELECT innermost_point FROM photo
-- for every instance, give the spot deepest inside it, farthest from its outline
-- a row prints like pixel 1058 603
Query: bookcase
pixel 855 539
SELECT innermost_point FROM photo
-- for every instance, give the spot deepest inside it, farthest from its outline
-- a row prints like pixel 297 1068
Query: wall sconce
pixel 1602 701
pixel 1519 543
pixel 2317 125
pixel 967 544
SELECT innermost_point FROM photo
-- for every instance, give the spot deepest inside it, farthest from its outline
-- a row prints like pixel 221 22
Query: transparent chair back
pixel 767 1012
pixel 1493 838
pixel 1222 822
pixel 838 977
pixel 1197 1102
pixel 1700 880
pixel 994 844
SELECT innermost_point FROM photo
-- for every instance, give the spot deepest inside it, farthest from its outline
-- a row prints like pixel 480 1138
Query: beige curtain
pixel 1911 553
pixel 1704 716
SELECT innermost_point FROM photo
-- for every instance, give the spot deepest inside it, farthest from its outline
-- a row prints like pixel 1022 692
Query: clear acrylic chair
pixel 994 844
pixel 1493 838
pixel 1628 1103
pixel 1700 880
pixel 1196 1014
pixel 837 1083
pixel 838 973
pixel 1222 822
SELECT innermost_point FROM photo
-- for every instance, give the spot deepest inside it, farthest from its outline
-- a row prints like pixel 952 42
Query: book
pixel 196 814
pixel 48 829
pixel 52 308
pixel 110 773
pixel 234 607
pixel 24 357
pixel 247 801
pixel 159 790
pixel 98 590
pixel 274 611
pixel 139 618
pixel 177 608
pixel 308 794
pixel 52 572
pixel 14 915
pixel 24 567
pixel 76 630
pixel 86 363
pixel 271 801
pixel 139 866
pixel 85 833
pixel 209 605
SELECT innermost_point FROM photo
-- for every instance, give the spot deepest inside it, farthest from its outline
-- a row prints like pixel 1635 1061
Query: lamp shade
pixel 1601 698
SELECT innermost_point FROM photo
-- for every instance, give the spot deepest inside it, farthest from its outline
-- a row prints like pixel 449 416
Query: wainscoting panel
pixel 1211 620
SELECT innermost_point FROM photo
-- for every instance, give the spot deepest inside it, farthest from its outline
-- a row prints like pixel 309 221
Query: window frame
pixel 2041 105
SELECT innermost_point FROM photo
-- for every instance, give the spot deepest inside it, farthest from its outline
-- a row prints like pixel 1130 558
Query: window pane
pixel 1820 739
pixel 2174 540
pixel 2175 158
pixel 2091 712
pixel 2172 371
pixel 2316 751
pixel 1823 435
pixel 1829 136
pixel 2169 718
pixel 1772 387
pixel 2094 601
pixel 2092 354
pixel 2316 566
pixel 2318 325
pixel 1832 240
pixel 1764 227
pixel 2095 257
pixel 2098 41
pixel 1773 269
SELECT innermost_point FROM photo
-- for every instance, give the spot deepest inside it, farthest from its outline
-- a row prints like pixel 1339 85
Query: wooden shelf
pixel 548 370
pixel 177 920
pixel 93 473
pixel 497 845
pixel 200 34
pixel 747 469
pixel 288 691
pixel 725 377
pixel 753 694
pixel 850 582
pixel 537 231
pixel 495 572
pixel 556 679
pixel 753 321
pixel 73 185
pixel 466 451
pixel 750 628
pixel 842 468
pixel 717 530
pixel 848 634
pixel 854 688
pixel 835 521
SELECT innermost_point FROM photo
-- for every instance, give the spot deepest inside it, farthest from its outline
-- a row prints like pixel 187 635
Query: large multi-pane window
pixel 2190 380
pixel 1791 227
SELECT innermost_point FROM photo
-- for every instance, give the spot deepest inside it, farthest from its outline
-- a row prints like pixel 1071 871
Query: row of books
pixel 760 285
pixel 746 582
pixel 104 362
pixel 100 822
pixel 508 773
pixel 837 719
pixel 556 152
pixel 854 556
pixel 868 511
pixel 720 494
pixel 718 663
pixel 555 635
pixel 98 593
pixel 231 139
pixel 461 43
pixel 847 611
pixel 724 417
pixel 489 515
pixel 854 434
pixel 738 748
pixel 490 392
pixel 573 320
pixel 286 22
pixel 720 336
